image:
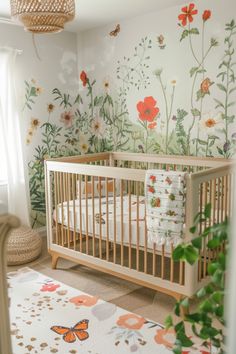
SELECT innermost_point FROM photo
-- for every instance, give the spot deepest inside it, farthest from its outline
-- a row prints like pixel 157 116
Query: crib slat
pixel 137 228
pixel 130 225
pixel 205 240
pixel 62 209
pixel 80 213
pixel 93 216
pixel 122 221
pixel 86 212
pixel 171 263
pixel 56 203
pixel 145 243
pixel 154 260
pixel 100 216
pixel 114 219
pixel 74 210
pixel 218 199
pixel 68 208
pixel 65 201
pixel 107 220
pixel 162 261
pixel 181 272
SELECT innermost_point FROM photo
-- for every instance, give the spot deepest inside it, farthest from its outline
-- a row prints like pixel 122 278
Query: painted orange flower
pixel 49 287
pixel 188 13
pixel 84 300
pixel 206 83
pixel 166 337
pixel 206 15
pixel 131 321
pixel 152 125
pixel 84 78
pixel 147 110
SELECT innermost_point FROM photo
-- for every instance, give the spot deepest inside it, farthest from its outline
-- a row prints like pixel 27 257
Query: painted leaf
pixel 193 70
pixel 195 112
pixel 194 31
pixel 185 34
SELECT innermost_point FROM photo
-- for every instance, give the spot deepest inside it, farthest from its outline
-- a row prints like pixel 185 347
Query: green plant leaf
pixel 206 306
pixel 178 253
pixel 197 242
pixel 193 229
pixel 191 254
pixel 168 322
pixel 201 293
pixel 214 243
pixel 207 210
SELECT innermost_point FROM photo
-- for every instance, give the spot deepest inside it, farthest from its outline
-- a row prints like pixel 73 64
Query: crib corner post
pixel 192 208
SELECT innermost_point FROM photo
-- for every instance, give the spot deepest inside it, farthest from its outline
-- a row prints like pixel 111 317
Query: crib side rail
pixel 191 161
pixel 214 186
pixel 113 230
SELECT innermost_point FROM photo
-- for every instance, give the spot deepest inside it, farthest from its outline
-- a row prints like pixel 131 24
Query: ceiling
pixel 95 13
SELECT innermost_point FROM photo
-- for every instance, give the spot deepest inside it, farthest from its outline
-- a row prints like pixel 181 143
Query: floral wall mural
pixel 166 87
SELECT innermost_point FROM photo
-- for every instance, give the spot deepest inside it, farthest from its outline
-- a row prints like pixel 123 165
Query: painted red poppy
pixel 188 13
pixel 206 15
pixel 83 78
pixel 152 125
pixel 147 110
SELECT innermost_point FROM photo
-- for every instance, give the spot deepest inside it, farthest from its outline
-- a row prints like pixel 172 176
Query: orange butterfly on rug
pixel 70 334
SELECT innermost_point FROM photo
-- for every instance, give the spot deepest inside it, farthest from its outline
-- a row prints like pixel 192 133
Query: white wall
pixel 56 69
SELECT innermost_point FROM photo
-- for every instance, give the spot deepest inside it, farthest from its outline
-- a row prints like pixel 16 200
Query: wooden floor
pixel 143 301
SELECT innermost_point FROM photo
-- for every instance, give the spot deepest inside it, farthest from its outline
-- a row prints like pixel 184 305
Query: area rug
pixel 50 317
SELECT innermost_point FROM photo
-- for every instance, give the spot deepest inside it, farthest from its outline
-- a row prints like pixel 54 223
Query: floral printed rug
pixel 50 317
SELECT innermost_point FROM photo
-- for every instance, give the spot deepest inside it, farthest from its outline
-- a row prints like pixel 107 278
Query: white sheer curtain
pixel 11 154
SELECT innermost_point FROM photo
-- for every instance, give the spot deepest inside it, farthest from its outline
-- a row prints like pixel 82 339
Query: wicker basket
pixel 23 246
pixel 43 16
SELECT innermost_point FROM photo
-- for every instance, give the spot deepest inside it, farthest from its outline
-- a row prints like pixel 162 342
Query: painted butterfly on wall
pixel 115 32
pixel 70 334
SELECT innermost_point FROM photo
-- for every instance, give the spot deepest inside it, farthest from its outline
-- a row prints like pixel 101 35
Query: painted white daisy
pixel 210 122
pixel 98 127
pixel 83 144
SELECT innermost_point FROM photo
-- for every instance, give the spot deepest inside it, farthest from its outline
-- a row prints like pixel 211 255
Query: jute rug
pixel 50 317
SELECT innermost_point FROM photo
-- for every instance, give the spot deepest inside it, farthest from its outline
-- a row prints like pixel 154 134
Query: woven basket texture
pixel 43 16
pixel 23 246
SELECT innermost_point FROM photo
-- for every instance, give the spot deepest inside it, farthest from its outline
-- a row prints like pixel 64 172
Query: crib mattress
pixel 137 228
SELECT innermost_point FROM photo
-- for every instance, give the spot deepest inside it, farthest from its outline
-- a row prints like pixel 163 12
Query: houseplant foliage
pixel 207 322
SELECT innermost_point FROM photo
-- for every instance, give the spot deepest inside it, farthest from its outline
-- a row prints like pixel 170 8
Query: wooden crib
pixel 96 215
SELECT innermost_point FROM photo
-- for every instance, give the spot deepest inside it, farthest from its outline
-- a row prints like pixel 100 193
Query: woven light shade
pixel 43 16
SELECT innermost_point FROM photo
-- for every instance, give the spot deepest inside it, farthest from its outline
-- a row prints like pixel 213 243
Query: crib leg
pixel 54 260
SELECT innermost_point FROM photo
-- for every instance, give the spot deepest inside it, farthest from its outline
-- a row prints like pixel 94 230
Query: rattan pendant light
pixel 43 16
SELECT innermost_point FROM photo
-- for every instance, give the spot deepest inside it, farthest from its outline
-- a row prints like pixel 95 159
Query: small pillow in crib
pixel 97 187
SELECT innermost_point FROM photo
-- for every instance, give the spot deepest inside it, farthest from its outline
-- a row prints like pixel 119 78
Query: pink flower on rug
pixel 49 287
pixel 84 300
pixel 131 321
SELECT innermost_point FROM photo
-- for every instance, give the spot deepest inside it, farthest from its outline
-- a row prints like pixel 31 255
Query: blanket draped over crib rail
pixel 165 206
